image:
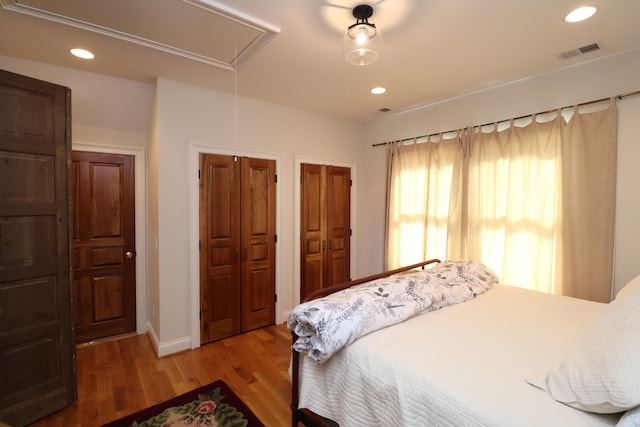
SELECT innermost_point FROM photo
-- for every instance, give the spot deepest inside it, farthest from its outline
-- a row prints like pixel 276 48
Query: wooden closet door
pixel 237 245
pixel 338 225
pixel 220 291
pixel 325 233
pixel 312 232
pixel 258 234
pixel 37 350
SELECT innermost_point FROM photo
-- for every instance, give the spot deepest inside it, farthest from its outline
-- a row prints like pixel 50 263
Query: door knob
pixel 128 254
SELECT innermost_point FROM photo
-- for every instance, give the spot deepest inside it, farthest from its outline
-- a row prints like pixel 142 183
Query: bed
pixel 496 359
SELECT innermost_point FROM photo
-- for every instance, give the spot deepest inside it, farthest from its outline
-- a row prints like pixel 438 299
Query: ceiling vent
pixel 384 110
pixel 579 51
pixel 202 30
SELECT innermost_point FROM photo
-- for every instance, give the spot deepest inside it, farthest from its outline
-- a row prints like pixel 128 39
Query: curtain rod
pixel 620 96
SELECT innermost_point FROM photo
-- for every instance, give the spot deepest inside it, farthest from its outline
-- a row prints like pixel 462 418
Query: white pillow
pixel 602 373
pixel 630 418
pixel 632 286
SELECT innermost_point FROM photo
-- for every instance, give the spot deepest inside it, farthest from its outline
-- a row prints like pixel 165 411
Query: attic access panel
pixel 202 30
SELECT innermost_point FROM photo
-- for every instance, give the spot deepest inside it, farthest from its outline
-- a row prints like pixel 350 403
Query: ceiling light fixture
pixel 580 14
pixel 82 53
pixel 378 90
pixel 362 39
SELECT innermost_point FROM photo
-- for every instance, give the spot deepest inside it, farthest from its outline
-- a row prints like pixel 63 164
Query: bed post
pixel 294 381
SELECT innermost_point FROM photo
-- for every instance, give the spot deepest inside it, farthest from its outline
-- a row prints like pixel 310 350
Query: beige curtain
pixel 589 158
pixel 534 203
pixel 513 202
pixel 418 200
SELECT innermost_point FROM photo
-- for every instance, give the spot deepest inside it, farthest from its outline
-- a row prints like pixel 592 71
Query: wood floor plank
pixel 117 378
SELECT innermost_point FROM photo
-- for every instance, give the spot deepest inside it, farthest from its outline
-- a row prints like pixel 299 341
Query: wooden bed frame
pixel 303 415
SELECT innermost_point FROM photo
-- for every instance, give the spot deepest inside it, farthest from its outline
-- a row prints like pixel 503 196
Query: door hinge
pixel 350 234
pixel 350 183
pixel 275 296
pixel 198 173
pixel 200 312
pixel 276 178
pixel 199 245
pixel 275 238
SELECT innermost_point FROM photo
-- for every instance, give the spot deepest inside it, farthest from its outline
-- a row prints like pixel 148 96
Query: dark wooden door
pixel 313 238
pixel 258 233
pixel 37 352
pixel 338 225
pixel 325 227
pixel 237 245
pixel 219 247
pixel 103 245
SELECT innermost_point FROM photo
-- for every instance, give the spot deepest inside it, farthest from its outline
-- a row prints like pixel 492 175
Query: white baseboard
pixel 153 336
pixel 170 347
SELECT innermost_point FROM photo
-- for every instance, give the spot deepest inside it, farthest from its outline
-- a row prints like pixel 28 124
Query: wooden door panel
pixel 106 256
pixel 29 246
pixel 313 238
pixel 107 185
pixel 37 372
pixel 14 296
pixel 338 224
pixel 104 277
pixel 258 243
pixel 219 247
pixel 108 297
pixel 30 124
pixel 31 177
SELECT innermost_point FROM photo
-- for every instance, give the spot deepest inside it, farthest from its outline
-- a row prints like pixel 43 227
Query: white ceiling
pixel 433 49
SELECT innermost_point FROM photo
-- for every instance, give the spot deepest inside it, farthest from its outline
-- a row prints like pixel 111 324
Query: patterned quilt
pixel 327 324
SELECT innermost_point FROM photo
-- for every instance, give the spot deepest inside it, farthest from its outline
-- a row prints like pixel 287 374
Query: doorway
pixel 104 254
pixel 195 151
pixel 299 160
pixel 237 244
pixel 139 158
pixel 325 232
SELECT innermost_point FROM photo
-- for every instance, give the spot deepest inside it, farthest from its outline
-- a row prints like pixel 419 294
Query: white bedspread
pixel 463 365
pixel 326 325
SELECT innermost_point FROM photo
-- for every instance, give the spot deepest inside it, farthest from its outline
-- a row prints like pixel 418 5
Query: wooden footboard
pixel 305 416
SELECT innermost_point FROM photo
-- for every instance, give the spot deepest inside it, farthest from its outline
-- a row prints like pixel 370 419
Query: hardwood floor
pixel 119 377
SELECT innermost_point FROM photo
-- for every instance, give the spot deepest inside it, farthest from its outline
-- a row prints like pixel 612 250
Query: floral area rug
pixel 212 405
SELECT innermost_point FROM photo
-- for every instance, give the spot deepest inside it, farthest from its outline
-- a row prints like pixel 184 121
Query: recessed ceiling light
pixel 378 90
pixel 580 14
pixel 82 53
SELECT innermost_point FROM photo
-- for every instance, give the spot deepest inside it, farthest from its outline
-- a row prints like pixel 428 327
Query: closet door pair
pixel 237 245
pixel 325 227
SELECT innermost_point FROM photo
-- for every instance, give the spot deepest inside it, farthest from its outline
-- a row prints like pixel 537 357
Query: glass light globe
pixel 361 44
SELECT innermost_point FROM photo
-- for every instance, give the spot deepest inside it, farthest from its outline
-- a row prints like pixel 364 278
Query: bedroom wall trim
pixel 169 347
pixel 195 149
pixel 140 162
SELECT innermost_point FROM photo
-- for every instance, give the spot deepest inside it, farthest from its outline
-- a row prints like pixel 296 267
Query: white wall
pixel 191 118
pixel 581 83
pixel 627 246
